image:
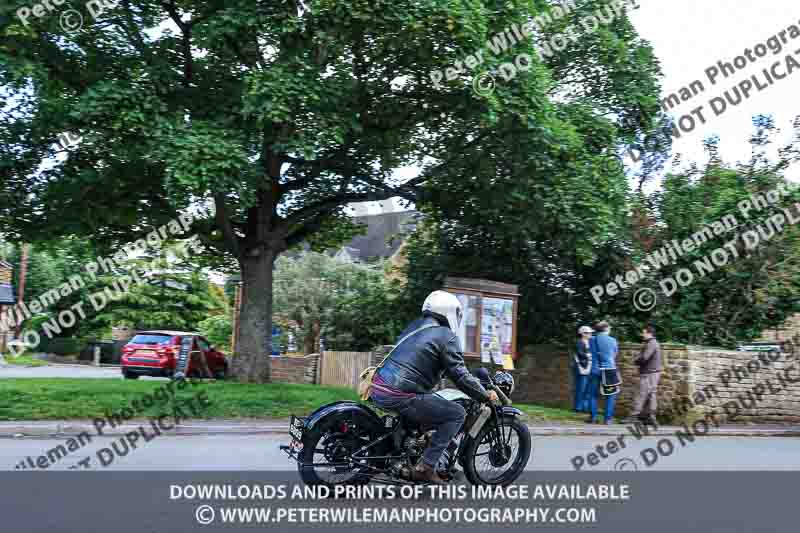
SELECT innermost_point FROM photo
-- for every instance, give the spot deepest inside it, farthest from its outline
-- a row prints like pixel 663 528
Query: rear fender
pixel 344 411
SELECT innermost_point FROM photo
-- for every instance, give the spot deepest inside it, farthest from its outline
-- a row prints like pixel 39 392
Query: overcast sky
pixel 689 36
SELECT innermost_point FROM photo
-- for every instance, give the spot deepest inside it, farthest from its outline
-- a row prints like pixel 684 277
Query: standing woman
pixel 583 365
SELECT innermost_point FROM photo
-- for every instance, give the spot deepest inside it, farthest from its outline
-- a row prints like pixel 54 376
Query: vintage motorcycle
pixel 350 443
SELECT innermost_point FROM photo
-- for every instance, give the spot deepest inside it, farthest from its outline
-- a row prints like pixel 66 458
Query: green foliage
pixel 218 330
pixel 60 346
pixel 164 294
pixel 757 287
pixel 161 290
pixel 51 264
pixel 350 304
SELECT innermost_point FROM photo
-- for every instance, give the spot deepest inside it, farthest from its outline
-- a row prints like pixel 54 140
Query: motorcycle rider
pixel 406 378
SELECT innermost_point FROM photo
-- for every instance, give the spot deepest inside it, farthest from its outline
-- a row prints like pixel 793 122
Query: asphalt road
pixel 260 452
pixel 63 371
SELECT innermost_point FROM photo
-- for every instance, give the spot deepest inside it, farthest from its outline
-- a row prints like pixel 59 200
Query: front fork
pixel 490 414
pixel 498 437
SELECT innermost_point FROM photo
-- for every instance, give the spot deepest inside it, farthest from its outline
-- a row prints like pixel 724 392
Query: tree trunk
pixel 316 329
pixel 252 361
pixel 311 341
pixel 308 343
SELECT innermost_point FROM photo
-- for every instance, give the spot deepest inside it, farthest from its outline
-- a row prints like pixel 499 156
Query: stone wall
pixel 303 369
pixel 788 330
pixel 539 376
pixel 744 386
pixel 696 381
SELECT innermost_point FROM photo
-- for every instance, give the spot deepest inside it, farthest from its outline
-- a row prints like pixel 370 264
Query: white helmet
pixel 444 306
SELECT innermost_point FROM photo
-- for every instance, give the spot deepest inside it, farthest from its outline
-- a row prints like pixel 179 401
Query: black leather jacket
pixel 419 362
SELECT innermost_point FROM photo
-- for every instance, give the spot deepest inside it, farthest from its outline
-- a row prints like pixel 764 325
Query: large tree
pixel 267 117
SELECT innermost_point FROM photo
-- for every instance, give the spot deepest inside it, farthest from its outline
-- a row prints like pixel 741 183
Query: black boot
pixel 427 474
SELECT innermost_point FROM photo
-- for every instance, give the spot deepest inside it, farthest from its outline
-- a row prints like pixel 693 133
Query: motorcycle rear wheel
pixel 326 459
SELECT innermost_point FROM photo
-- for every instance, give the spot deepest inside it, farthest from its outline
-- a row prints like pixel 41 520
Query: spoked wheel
pixel 498 455
pixel 327 458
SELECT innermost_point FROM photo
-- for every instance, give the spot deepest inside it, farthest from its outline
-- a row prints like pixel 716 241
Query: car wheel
pixel 222 374
pixel 128 375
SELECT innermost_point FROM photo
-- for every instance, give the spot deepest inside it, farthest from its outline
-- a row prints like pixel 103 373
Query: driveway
pixel 63 371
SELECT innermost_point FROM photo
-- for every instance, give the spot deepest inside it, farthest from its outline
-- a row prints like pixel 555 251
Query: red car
pixel 154 353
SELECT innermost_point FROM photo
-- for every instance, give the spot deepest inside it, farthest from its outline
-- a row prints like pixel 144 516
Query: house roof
pixel 7 294
pixel 384 235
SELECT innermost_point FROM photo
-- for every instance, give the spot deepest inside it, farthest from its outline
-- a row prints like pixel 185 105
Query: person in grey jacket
pixel 649 363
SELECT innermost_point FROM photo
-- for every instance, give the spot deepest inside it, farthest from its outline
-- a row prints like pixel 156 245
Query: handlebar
pixel 500 394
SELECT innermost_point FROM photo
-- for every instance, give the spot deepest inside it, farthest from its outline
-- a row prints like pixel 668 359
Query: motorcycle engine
pixel 415 446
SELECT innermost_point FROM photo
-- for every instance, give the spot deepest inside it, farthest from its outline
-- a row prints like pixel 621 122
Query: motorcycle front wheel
pixel 499 454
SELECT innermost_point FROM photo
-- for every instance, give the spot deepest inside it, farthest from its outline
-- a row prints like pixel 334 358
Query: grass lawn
pixel 540 414
pixel 64 399
pixel 24 360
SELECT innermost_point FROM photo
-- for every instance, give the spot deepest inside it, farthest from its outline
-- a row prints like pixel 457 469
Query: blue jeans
pixel 594 386
pixel 430 411
pixel 582 398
